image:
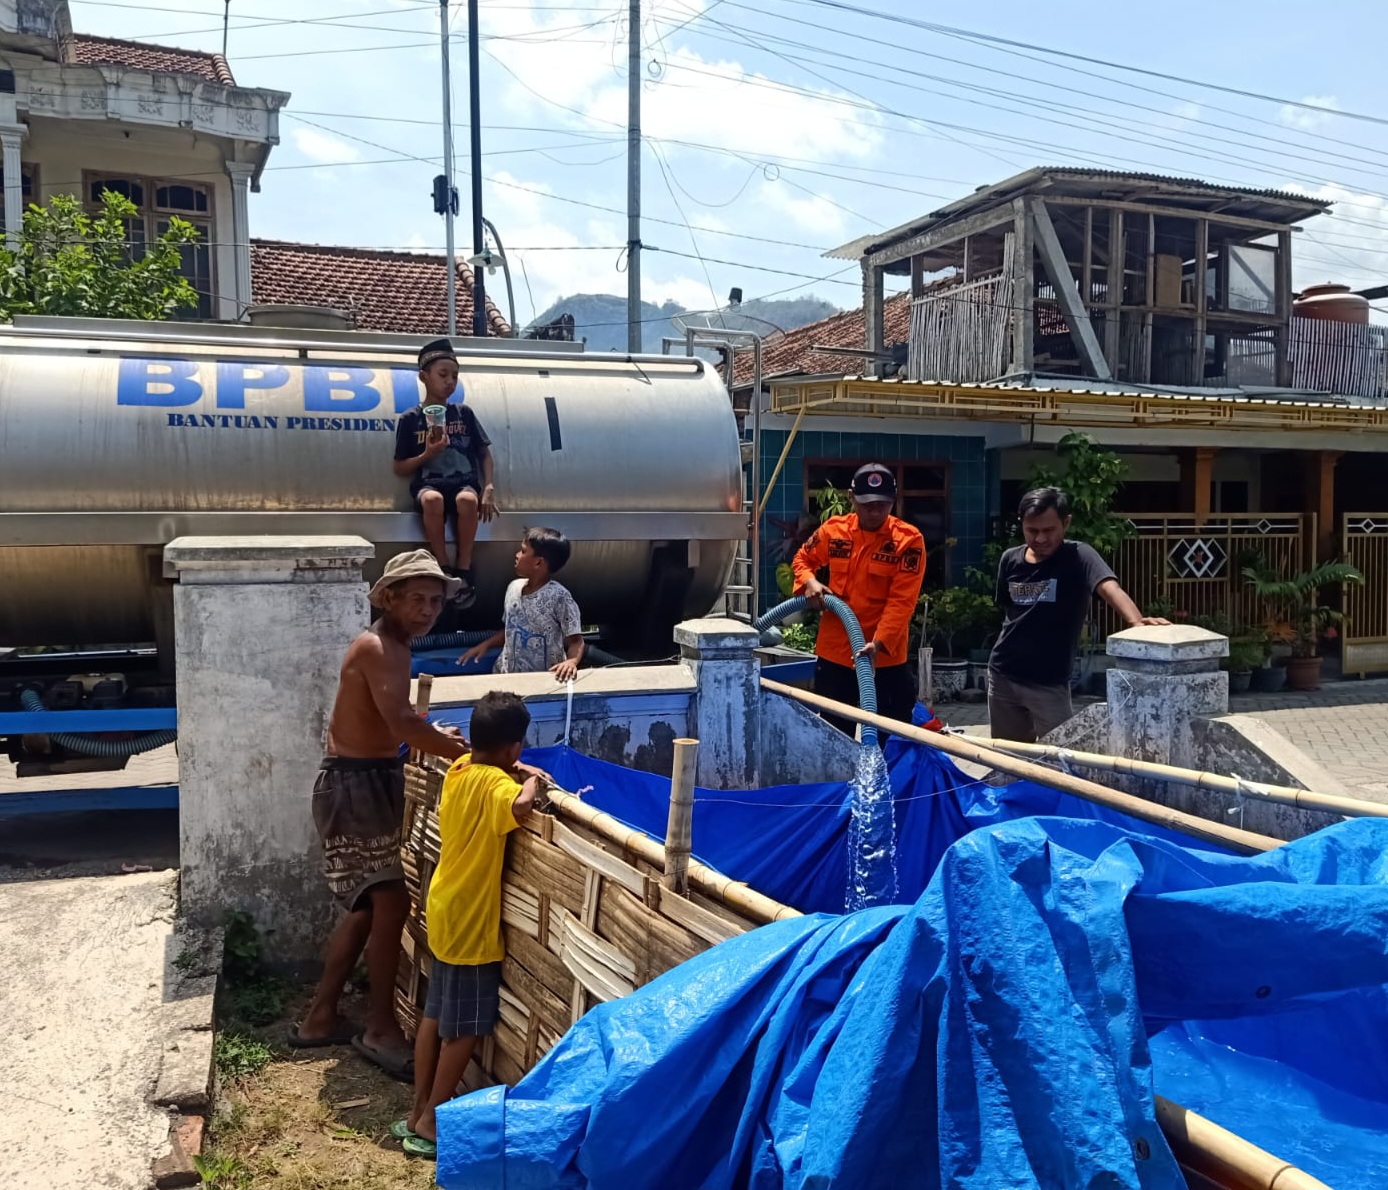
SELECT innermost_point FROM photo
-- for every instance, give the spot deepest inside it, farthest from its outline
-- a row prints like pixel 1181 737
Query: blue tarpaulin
pixel 1005 1030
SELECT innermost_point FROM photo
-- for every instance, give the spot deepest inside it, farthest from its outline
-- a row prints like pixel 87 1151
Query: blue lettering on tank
pixel 405 385
pixel 234 377
pixel 169 383
pixel 322 386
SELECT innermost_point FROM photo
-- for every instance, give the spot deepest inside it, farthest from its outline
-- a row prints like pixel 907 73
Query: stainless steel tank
pixel 116 437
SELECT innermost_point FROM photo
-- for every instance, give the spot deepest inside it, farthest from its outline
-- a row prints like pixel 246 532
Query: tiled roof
pixel 398 292
pixel 86 50
pixel 793 354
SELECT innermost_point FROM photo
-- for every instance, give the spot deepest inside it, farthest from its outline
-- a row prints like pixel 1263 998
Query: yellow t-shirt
pixel 464 906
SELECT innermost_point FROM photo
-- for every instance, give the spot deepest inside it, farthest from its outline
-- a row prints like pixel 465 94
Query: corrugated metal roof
pixel 1223 396
pixel 1294 206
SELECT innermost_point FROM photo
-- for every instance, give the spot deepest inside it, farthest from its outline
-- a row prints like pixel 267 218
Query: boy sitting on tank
pixel 359 809
pixel 442 449
pixel 541 626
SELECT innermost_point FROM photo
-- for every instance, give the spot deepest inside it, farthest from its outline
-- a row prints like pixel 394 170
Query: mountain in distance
pixel 600 319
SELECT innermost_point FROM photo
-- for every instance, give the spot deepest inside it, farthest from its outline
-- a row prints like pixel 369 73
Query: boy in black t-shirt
pixel 449 466
pixel 1044 590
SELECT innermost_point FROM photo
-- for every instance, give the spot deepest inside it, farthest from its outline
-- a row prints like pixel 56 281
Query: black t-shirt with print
pixel 1043 606
pixel 459 464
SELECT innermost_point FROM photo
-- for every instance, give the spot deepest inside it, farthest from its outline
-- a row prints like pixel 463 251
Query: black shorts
pixel 359 810
pixel 896 692
pixel 464 999
pixel 449 492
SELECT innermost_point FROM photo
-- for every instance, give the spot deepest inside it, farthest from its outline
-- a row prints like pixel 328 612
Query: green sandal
pixel 401 1129
pixel 417 1146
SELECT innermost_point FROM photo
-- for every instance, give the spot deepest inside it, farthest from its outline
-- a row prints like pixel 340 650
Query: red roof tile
pixel 792 354
pixel 86 50
pixel 398 292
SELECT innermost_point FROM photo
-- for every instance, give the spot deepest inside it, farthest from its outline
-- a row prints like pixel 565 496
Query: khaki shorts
pixel 1025 713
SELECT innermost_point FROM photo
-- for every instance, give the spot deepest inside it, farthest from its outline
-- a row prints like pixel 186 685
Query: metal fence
pixel 1364 544
pixel 1176 566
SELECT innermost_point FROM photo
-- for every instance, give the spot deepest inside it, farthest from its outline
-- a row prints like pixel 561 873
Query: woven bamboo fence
pixel 585 915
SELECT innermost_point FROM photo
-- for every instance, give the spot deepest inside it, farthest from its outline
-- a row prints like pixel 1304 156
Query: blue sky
pixel 781 128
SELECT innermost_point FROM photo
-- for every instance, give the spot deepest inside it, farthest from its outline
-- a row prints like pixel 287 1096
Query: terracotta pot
pixel 1303 673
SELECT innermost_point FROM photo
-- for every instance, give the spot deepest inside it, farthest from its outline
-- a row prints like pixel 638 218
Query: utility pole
pixel 633 178
pixel 445 200
pixel 479 273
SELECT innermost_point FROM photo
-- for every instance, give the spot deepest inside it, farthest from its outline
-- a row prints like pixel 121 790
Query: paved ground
pixel 85 964
pixel 1343 726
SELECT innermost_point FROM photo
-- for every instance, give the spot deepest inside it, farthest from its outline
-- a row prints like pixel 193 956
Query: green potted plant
pixel 1296 599
pixel 952 617
pixel 1247 652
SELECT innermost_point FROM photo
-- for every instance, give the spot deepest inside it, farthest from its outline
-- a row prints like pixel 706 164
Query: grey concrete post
pixel 726 717
pixel 260 628
pixel 1161 680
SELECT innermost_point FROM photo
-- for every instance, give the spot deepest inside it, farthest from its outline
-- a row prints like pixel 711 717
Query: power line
pixel 1087 94
pixel 992 39
pixel 1035 101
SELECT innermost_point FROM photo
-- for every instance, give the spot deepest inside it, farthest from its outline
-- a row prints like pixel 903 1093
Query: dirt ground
pixel 289 1126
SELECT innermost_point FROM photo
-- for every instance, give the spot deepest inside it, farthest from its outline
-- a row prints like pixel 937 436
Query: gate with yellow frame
pixel 1182 567
pixel 1364 544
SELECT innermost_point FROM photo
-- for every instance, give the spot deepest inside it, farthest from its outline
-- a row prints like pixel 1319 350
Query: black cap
pixel 437 350
pixel 874 482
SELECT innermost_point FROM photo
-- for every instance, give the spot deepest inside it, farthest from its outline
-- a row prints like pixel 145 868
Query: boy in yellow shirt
pixel 485 797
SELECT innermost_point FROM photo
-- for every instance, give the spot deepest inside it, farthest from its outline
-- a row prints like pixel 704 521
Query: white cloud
pixel 320 146
pixel 811 214
pixel 1348 245
pixel 1303 120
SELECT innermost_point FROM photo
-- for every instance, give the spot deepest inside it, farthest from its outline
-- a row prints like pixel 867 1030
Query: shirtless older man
pixel 359 807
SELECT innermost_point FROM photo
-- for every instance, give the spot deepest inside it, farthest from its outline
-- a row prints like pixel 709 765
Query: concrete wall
pixel 259 641
pixel 633 716
pixel 624 716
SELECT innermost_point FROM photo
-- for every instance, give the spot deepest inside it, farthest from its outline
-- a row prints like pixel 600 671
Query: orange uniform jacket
pixel 878 575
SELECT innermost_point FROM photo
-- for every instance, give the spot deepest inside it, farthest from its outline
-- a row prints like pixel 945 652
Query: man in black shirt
pixel 1044 590
pixel 449 465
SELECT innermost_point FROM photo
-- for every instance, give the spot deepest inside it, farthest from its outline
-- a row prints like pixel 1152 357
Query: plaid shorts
pixel 464 1000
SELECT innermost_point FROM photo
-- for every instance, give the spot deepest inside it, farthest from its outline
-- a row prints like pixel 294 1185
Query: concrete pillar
pixel 1319 480
pixel 240 174
pixel 260 628
pixel 1161 679
pixel 725 718
pixel 11 138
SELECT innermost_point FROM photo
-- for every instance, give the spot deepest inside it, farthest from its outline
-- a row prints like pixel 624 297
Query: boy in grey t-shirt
pixel 542 629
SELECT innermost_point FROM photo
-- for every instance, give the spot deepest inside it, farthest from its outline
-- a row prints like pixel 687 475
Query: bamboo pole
pixel 679 830
pixel 1286 795
pixel 1245 842
pixel 781 462
pixel 1226 1159
pixel 423 691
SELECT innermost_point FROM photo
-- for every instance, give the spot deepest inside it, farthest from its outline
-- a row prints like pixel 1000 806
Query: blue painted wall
pixel 969 484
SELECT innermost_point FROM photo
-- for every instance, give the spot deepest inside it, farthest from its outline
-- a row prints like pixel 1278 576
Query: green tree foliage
pixel 68 262
pixel 1091 477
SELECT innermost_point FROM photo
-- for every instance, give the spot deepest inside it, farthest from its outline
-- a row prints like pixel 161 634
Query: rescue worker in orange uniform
pixel 876 564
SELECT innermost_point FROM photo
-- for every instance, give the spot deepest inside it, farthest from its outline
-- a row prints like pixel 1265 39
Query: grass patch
pixel 220 1171
pixel 252 996
pixel 237 1056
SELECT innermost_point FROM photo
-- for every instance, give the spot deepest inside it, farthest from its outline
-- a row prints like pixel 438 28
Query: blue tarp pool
pixel 1052 965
